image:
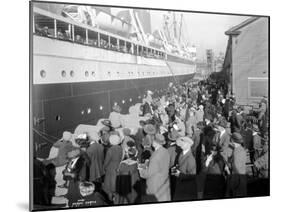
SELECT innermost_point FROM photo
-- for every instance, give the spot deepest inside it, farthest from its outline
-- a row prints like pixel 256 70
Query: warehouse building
pixel 246 63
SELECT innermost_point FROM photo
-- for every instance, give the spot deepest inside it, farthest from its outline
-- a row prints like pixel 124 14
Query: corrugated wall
pixel 250 62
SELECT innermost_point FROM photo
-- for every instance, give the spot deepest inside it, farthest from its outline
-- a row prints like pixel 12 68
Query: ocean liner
pixel 83 65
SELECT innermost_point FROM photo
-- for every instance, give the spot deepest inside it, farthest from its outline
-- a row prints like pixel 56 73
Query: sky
pixel 205 31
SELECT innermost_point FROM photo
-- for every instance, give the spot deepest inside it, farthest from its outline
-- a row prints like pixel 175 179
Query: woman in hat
pixel 111 163
pixel 128 178
pixel 238 178
pixel 157 172
pixel 96 154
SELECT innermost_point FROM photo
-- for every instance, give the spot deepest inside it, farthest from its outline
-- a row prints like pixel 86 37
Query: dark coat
pixel 214 182
pixel 128 184
pixel 111 165
pixel 96 155
pixel 186 188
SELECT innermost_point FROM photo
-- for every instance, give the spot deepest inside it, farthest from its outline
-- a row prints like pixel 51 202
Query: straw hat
pixel 114 140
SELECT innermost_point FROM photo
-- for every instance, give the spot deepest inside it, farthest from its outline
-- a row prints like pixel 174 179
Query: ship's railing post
pixel 109 41
pixel 69 30
pixel 33 22
pixel 87 39
pixel 137 50
pixel 98 39
pixel 132 48
pixel 73 35
pixel 118 44
pixel 55 27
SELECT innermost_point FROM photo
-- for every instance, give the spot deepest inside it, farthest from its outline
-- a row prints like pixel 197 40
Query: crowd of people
pixel 193 142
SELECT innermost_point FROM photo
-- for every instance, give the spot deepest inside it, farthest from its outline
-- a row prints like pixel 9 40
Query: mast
pixel 175 26
pixel 180 28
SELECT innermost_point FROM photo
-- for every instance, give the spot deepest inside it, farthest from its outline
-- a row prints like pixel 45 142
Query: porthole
pixel 43 73
pixel 93 73
pixel 101 107
pixel 89 110
pixel 86 73
pixel 123 101
pixel 58 118
pixel 82 112
pixel 72 73
pixel 63 73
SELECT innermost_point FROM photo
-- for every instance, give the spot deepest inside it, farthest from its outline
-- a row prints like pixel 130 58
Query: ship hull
pixel 64 106
pixel 100 79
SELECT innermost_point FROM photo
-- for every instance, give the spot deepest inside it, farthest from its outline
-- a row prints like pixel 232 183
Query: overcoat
pixel 96 155
pixel 186 188
pixel 157 175
pixel 111 164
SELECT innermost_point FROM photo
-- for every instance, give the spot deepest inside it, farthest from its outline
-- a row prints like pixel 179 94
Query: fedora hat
pixel 159 139
pixel 173 135
pixel 149 129
pixel 106 122
pixel 237 138
pixel 255 128
pixel 126 131
pixel 185 140
pixel 222 123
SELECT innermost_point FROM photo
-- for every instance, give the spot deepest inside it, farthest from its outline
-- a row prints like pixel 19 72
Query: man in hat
pixel 157 172
pixel 257 144
pixel 115 116
pixel 197 139
pixel 96 154
pixel 185 172
pixel 238 178
pixel 223 139
pixel 199 114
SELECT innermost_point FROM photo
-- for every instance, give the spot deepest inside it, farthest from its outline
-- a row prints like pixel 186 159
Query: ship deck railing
pixel 58 27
